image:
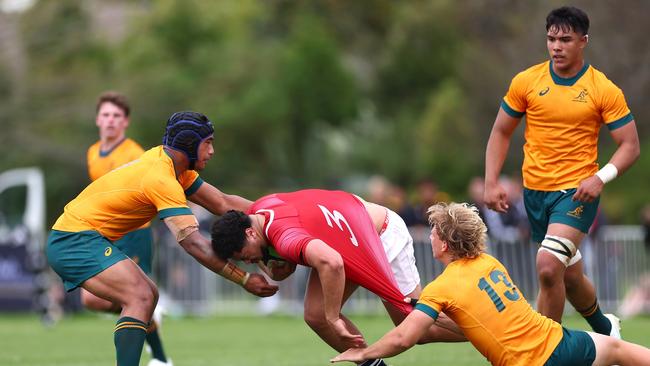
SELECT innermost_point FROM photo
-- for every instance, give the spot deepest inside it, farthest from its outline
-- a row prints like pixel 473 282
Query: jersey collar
pixel 106 153
pixel 558 80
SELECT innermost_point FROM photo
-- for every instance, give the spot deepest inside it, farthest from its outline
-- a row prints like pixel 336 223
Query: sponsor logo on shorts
pixel 108 251
pixel 544 91
pixel 577 213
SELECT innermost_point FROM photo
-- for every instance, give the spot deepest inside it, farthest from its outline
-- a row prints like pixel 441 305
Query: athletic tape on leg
pixel 576 258
pixel 562 248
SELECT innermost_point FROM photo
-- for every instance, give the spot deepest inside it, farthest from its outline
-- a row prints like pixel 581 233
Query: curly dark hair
pixel 229 233
pixel 568 18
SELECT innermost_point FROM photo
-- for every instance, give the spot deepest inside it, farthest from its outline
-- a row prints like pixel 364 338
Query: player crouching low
pixel 476 292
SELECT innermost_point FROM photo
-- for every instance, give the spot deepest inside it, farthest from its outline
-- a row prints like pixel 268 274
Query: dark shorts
pixel 137 245
pixel 76 257
pixel 575 349
pixel 544 208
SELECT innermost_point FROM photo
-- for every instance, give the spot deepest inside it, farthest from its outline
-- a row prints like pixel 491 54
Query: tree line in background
pixel 302 93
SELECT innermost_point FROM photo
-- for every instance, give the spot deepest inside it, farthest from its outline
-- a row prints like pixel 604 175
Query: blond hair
pixel 460 225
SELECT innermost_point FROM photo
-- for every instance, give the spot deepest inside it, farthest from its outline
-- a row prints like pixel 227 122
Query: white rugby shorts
pixel 398 245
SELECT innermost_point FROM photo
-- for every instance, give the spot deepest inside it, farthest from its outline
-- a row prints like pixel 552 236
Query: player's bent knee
pixel 142 295
pixel 549 275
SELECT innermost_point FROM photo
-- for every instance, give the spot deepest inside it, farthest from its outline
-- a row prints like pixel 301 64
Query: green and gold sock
pixel 129 338
pixel 599 323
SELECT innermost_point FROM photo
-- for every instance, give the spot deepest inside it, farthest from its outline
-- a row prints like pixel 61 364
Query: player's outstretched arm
pixel 398 340
pixel 185 229
pixel 217 202
pixel 495 154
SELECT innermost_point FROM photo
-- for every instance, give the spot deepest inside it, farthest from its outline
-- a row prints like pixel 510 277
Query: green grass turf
pixel 243 340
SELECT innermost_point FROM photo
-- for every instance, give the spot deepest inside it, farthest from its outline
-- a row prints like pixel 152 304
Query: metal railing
pixel 615 260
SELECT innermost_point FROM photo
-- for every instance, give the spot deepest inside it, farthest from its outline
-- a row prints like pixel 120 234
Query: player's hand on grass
pixel 588 189
pixel 352 340
pixel 495 197
pixel 257 285
pixel 352 355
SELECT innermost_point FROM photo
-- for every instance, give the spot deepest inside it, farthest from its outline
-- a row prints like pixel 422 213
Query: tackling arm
pixel 218 202
pixel 495 154
pixel 398 340
pixel 186 231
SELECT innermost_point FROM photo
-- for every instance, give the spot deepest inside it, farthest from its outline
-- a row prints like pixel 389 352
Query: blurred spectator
pixel 378 190
pixel 398 202
pixel 475 191
pixel 637 299
pixel 427 195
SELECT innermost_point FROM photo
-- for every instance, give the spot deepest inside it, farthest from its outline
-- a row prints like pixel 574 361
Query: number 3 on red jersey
pixel 338 218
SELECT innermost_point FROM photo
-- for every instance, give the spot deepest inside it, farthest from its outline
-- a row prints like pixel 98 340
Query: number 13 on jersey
pixel 497 276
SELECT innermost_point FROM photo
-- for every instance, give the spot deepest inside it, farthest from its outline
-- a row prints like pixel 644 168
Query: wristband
pixel 245 279
pixel 607 173
pixel 235 274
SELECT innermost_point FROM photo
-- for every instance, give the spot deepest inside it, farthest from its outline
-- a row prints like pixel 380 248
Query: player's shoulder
pixel 491 263
pixel 534 71
pixel 132 145
pixel 156 162
pixel 599 78
pixel 94 148
pixel 156 153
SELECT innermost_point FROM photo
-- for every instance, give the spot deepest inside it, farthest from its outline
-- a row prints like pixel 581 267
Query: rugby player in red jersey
pixel 347 242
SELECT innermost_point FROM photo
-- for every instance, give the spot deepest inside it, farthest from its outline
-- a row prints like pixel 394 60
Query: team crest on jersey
pixel 544 91
pixel 577 213
pixel 582 97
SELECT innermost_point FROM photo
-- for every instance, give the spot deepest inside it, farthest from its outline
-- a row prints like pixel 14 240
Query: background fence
pixel 615 261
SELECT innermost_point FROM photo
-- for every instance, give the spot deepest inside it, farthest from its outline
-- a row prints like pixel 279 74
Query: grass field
pixel 230 341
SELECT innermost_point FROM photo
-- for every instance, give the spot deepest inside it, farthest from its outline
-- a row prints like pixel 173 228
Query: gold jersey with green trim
pixel 102 162
pixel 130 196
pixel 478 294
pixel 563 119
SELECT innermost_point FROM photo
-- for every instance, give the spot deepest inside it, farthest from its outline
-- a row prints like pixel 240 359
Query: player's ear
pixel 250 233
pixel 585 38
